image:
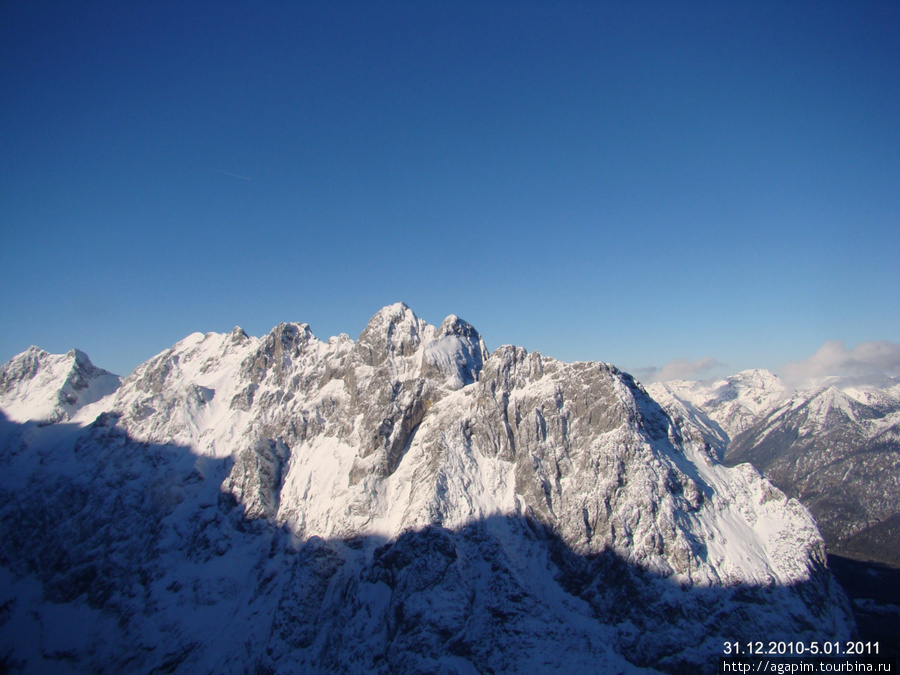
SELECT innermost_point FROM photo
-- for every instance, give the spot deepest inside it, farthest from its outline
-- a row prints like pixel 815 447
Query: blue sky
pixel 639 183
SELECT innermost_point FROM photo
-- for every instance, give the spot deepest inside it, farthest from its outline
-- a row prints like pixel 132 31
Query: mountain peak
pixel 392 314
pixel 238 334
pixel 453 325
pixel 757 375
pixel 457 352
pixel 393 330
pixel 731 404
pixel 423 503
pixel 80 359
pixel 36 385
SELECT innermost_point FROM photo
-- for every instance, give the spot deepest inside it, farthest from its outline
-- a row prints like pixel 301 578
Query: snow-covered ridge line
pixel 412 431
pixel 401 425
pixel 724 407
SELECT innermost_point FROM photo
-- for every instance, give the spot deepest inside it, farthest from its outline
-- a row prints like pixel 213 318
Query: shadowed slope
pixel 126 556
pixel 402 503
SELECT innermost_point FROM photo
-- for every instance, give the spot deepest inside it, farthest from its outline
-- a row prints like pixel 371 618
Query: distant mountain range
pixel 835 447
pixel 403 503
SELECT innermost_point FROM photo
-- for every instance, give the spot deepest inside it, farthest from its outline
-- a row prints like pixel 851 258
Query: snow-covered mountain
pixel 405 502
pixel 47 388
pixel 835 447
pixel 720 410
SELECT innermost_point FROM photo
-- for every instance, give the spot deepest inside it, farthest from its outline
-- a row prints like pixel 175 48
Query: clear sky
pixel 640 183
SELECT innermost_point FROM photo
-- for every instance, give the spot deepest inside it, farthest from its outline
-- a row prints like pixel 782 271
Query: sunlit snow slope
pixel 835 446
pixel 405 502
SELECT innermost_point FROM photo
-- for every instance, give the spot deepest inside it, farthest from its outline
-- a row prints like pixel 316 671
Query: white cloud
pixel 834 359
pixel 679 369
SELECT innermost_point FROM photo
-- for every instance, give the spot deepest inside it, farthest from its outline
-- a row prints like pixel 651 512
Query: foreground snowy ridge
pixel 408 494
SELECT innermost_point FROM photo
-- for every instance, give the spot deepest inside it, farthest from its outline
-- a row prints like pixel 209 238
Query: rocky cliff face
pixel 404 502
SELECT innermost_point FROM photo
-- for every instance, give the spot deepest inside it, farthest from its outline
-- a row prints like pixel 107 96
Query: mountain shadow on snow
pixel 127 556
pixel 404 502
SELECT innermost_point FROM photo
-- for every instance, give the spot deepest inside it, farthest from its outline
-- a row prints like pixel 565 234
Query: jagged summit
pixel 238 334
pixel 394 330
pixel 389 317
pixel 47 388
pixel 406 502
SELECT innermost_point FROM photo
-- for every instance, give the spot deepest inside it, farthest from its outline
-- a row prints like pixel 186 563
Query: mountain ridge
pixel 567 481
pixel 835 446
